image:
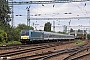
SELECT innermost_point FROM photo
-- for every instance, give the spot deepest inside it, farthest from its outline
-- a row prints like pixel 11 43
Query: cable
pixel 79 8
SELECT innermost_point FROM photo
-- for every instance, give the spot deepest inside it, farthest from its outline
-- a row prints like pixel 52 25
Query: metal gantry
pixel 28 16
pixel 60 18
pixel 12 12
pixel 44 2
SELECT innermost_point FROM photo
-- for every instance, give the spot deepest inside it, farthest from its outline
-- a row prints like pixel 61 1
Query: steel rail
pixel 49 54
pixel 45 54
pixel 79 50
pixel 80 56
pixel 7 54
pixel 16 46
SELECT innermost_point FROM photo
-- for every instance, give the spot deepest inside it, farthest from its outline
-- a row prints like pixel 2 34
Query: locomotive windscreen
pixel 25 33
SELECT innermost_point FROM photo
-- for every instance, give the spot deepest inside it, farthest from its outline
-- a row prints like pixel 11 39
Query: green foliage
pixel 10 42
pixel 79 30
pixel 71 30
pixel 79 42
pixel 47 27
pixel 88 36
pixel 24 27
pixel 61 32
pixel 4 11
pixel 13 33
pixel 4 17
pixel 79 34
pixel 13 42
pixel 51 31
pixel 3 36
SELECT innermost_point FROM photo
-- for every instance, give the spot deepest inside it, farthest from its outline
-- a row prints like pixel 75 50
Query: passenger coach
pixel 28 36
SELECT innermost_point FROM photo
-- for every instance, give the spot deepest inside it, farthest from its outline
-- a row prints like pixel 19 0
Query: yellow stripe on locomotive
pixel 24 37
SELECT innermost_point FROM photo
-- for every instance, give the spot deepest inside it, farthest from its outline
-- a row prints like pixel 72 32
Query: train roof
pixel 48 32
pixel 56 33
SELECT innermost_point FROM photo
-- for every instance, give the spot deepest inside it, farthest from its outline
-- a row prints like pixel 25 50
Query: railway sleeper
pixel 80 56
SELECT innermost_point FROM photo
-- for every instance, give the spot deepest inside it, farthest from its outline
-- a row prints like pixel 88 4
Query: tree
pixel 4 11
pixel 24 27
pixel 5 17
pixel 88 36
pixel 61 32
pixel 79 30
pixel 3 36
pixel 47 26
pixel 71 30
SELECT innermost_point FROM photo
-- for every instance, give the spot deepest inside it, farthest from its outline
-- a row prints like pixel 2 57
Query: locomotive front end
pixel 24 38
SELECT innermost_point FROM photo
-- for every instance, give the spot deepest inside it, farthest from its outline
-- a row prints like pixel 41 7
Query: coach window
pixel 31 32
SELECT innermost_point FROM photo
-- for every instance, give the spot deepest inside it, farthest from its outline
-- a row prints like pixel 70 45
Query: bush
pixel 79 42
pixel 10 42
pixel 3 36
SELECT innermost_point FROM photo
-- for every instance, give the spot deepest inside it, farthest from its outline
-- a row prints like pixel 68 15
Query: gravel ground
pixel 71 45
pixel 65 46
pixel 10 50
pixel 85 58
pixel 46 50
pixel 61 57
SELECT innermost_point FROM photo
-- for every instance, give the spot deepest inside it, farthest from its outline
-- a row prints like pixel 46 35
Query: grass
pixel 79 42
pixel 10 42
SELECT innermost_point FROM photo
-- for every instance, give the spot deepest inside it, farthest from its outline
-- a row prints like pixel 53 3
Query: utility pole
pixel 12 12
pixel 12 15
pixel 28 16
pixel 68 27
pixel 89 27
pixel 53 26
pixel 86 33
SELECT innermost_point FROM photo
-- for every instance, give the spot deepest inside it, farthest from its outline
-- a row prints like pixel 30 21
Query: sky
pixel 78 9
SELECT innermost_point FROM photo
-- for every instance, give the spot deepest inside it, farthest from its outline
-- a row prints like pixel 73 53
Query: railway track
pixel 49 54
pixel 80 56
pixel 43 55
pixel 23 51
pixel 13 53
pixel 21 46
pixel 76 54
pixel 40 46
pixel 17 46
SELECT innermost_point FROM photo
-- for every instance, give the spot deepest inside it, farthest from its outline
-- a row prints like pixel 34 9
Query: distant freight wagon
pixel 28 36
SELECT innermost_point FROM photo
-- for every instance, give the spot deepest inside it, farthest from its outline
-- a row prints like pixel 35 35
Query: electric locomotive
pixel 30 35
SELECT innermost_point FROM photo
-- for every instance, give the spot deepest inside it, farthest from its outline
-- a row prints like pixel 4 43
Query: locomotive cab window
pixel 25 33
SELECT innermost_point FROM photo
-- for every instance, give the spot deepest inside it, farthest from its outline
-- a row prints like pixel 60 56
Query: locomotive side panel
pixel 37 36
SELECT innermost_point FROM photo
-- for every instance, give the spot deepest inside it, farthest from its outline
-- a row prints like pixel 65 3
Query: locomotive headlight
pixel 27 37
pixel 24 37
pixel 40 36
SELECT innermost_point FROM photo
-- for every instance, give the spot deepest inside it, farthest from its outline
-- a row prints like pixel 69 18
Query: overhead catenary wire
pixel 79 8
pixel 44 6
